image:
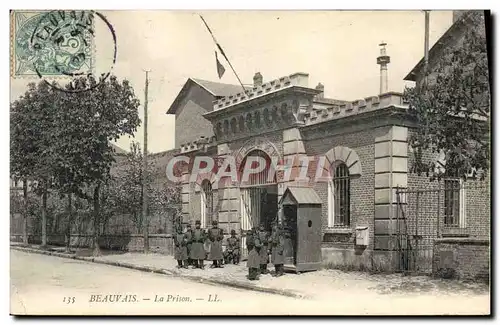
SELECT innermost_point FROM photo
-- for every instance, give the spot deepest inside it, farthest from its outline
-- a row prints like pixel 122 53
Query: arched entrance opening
pixel 259 192
pixel 207 204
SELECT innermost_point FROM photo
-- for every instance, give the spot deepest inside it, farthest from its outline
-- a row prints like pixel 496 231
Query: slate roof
pixel 303 195
pixel 216 89
pixel 219 89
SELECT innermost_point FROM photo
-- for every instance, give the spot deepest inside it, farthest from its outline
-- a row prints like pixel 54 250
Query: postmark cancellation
pixel 52 44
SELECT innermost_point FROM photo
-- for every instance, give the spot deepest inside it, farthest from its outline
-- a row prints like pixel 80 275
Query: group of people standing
pixel 191 248
pixel 260 245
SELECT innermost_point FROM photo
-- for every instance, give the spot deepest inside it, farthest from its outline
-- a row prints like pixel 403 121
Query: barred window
pixel 339 198
pixel 207 203
pixel 454 201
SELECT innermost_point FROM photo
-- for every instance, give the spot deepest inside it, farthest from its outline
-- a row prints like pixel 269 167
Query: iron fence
pixel 450 208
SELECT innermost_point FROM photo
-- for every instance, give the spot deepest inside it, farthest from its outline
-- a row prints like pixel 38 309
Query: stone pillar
pixel 185 196
pixel 229 200
pixel 293 148
pixel 391 172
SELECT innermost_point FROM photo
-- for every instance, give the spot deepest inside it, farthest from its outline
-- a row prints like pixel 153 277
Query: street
pixel 47 285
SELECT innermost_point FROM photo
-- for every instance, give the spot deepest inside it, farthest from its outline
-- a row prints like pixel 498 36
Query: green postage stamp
pixel 52 43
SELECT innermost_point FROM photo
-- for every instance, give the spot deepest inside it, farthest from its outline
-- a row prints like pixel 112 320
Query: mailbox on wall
pixel 301 218
pixel 362 236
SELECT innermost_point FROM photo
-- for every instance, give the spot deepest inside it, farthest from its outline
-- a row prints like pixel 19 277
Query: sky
pixel 337 48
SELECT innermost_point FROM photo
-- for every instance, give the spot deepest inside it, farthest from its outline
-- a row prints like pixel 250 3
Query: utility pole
pixel 426 43
pixel 145 219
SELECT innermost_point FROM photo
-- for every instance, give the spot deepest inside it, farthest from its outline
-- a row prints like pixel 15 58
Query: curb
pixel 233 284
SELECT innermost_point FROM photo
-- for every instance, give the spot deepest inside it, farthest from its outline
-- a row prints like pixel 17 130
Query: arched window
pixel 249 121
pixel 257 119
pixel 207 203
pixel 241 122
pixel 339 197
pixel 234 125
pixel 218 130
pixel 255 159
pixel 267 118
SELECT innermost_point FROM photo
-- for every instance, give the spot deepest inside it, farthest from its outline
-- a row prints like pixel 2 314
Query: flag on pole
pixel 224 55
pixel 220 67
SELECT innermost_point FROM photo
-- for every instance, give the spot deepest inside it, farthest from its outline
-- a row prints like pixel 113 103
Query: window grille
pixel 341 196
pixel 207 203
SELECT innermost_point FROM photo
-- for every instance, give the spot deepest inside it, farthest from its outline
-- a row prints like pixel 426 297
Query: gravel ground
pixel 321 282
pixel 333 291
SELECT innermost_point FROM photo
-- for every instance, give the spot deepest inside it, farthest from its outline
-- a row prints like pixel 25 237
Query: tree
pixel 31 123
pixel 127 183
pixel 168 199
pixel 128 186
pixel 88 121
pixel 451 108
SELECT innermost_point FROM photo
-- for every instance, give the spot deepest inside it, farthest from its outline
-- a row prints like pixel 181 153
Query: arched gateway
pixel 258 191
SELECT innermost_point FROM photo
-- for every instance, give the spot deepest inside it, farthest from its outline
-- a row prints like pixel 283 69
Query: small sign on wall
pixel 362 236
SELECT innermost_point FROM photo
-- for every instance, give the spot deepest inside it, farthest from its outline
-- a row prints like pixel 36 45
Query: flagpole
pixel 223 54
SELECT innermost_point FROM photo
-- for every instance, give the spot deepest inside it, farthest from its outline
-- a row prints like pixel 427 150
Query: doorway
pixel 259 205
pixel 290 232
pixel 258 195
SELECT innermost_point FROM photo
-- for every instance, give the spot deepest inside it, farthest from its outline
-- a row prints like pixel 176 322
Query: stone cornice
pixel 296 79
pixel 391 115
pixel 256 102
pixel 321 112
pixel 200 144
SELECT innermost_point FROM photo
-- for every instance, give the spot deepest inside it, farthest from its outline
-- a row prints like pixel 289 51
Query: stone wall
pixel 158 243
pixel 462 258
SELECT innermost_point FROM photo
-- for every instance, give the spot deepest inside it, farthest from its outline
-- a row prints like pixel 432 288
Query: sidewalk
pixel 322 284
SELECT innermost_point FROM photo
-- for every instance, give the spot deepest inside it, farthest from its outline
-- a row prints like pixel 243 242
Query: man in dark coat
pixel 254 246
pixel 249 238
pixel 277 248
pixel 216 236
pixel 180 242
pixel 264 252
pixel 232 249
pixel 189 240
pixel 197 249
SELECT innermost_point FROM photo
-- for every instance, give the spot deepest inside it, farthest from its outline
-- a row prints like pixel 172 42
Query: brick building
pixel 463 241
pixel 368 182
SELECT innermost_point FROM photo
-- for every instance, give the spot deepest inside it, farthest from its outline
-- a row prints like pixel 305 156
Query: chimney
pixel 257 80
pixel 321 88
pixel 383 60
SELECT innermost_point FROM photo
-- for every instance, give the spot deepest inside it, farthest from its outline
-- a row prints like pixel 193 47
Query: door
pixel 290 231
pixel 309 237
pixel 269 208
pixel 246 222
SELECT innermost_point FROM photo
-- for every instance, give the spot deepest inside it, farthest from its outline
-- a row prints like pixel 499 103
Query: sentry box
pixel 301 218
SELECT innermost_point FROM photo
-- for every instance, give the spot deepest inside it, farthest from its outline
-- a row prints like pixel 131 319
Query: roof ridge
pixel 220 83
